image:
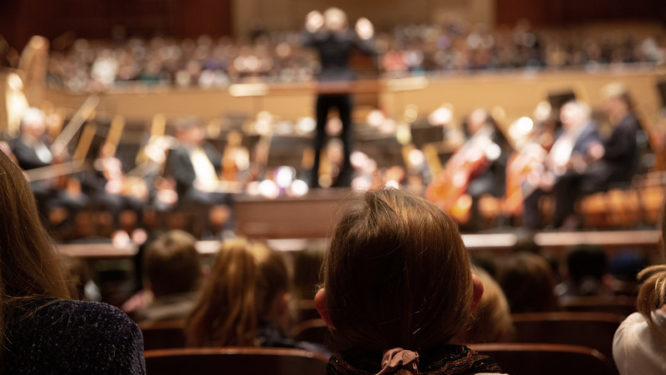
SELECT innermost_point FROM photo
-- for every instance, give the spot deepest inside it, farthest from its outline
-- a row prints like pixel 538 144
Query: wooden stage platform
pixel 295 224
pixel 611 241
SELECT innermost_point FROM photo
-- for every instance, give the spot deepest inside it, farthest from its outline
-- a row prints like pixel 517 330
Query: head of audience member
pixel 248 286
pixel 652 289
pixel 491 321
pixel 528 283
pixel 29 266
pixel 397 276
pixel 335 19
pixel 33 123
pixel 190 132
pixel 574 115
pixel 586 267
pixel 171 264
pixel 616 101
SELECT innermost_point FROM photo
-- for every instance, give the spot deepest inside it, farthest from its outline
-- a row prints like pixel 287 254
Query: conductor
pixel 334 42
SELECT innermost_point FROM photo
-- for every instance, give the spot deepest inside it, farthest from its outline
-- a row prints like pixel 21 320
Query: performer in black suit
pixel 621 150
pixel 334 42
pixel 194 165
pixel 576 146
pixel 31 151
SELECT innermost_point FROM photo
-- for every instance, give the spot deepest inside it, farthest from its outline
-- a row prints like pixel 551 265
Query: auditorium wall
pixel 290 14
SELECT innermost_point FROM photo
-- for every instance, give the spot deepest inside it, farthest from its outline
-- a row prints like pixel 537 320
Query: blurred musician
pixel 620 151
pixel 334 42
pixel 476 169
pixel 575 147
pixel 31 151
pixel 194 165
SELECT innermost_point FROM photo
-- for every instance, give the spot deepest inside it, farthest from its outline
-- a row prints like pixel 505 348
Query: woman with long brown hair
pixel 245 300
pixel 41 331
pixel 398 290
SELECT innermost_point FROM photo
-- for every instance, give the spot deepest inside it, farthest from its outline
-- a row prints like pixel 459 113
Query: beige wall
pixel 290 14
pixel 518 93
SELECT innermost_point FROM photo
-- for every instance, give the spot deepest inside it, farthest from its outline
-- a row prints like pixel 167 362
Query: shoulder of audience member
pixel 98 337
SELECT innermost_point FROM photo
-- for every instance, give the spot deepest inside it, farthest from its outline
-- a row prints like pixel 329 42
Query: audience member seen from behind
pixel 398 290
pixel 245 300
pixel 172 273
pixel 41 330
pixel 639 345
pixel 491 321
pixel 528 283
pixel 585 273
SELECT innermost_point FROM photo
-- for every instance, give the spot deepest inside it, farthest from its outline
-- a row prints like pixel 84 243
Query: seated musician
pixel 620 150
pixel 575 147
pixel 108 188
pixel 489 178
pixel 31 150
pixel 194 165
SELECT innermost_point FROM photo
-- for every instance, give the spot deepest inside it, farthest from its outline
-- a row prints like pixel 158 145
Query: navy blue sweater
pixel 51 336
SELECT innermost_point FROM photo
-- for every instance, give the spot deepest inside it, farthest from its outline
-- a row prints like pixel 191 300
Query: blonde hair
pixel 397 274
pixel 239 293
pixel 29 266
pixel 492 318
pixel 652 280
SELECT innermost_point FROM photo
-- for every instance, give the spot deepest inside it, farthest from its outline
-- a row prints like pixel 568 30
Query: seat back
pixel 247 361
pixel 163 335
pixel 313 330
pixel 593 330
pixel 620 305
pixel 546 359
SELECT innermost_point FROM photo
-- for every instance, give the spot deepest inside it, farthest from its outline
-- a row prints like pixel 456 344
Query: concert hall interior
pixel 192 184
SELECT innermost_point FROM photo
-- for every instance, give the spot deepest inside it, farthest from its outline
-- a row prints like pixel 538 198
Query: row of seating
pixel 563 338
pixel 514 358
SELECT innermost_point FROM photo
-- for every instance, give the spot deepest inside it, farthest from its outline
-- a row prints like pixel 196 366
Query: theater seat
pixel 546 359
pixel 592 330
pixel 313 330
pixel 163 335
pixel 247 361
pixel 620 305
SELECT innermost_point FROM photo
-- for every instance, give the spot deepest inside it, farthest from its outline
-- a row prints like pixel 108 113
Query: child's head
pixel 171 264
pixel 397 275
pixel 528 283
pixel 492 317
pixel 248 285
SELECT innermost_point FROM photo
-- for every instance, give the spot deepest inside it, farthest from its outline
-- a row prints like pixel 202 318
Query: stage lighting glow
pixel 416 158
pixel 14 81
pixel 493 151
pixel 392 184
pixel 284 176
pixel 268 189
pixel 375 118
pixel 361 183
pixel 521 127
pixel 358 159
pixel 298 188
pixel 306 124
pixel 441 116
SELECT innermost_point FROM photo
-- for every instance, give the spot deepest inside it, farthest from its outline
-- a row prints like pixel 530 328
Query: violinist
pixel 575 147
pixel 476 169
pixel 489 178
